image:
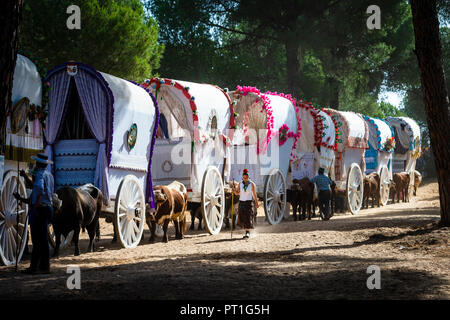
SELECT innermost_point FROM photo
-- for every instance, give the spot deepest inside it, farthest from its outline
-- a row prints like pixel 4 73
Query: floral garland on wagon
pixel 199 137
pixel 244 90
pixel 284 132
pixel 319 126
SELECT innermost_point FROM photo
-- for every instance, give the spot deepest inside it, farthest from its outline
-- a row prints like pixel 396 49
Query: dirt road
pixel 293 260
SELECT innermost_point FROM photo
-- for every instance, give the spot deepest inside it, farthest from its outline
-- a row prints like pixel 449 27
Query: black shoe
pixel 247 235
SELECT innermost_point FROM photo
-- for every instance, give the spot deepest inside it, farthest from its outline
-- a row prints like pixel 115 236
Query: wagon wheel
pixel 12 237
pixel 65 241
pixel 354 188
pixel 275 196
pixel 213 200
pixel 384 185
pixel 129 212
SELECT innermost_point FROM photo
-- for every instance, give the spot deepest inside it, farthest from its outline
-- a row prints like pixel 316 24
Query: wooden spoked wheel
pixel 13 231
pixel 384 185
pixel 354 188
pixel 213 200
pixel 129 212
pixel 275 196
pixel 65 241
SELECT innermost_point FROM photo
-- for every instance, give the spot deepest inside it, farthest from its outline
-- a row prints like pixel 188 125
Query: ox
pixel 401 181
pixel 302 197
pixel 80 208
pixel 171 202
pixel 371 189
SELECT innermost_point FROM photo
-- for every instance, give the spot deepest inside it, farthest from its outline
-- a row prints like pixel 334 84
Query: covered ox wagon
pixel 101 130
pixel 407 147
pixel 378 157
pixel 350 165
pixel 23 140
pixel 191 145
pixel 265 134
pixel 315 148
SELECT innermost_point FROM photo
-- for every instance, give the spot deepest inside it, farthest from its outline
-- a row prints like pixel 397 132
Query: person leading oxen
pixel 246 190
pixel 41 212
pixel 323 186
pixel 171 202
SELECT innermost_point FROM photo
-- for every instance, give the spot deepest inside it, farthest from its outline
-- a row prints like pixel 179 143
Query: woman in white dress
pixel 246 191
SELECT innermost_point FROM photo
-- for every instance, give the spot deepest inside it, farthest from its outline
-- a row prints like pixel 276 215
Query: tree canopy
pixel 115 36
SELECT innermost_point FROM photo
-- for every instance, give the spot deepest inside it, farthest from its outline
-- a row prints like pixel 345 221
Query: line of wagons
pixel 125 137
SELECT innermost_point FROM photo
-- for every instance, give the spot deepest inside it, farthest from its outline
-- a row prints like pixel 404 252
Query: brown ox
pixel 170 202
pixel 417 180
pixel 80 208
pixel 401 181
pixel 302 197
pixel 371 189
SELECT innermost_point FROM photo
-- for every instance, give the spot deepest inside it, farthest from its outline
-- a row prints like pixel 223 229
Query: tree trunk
pixel 10 13
pixel 429 55
pixel 292 66
pixel 334 93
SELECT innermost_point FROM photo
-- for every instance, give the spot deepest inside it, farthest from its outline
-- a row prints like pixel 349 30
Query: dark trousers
pixel 39 220
pixel 324 202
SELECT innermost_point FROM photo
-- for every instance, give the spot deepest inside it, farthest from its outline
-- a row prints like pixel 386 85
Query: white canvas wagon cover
pixel 22 143
pixel 407 133
pixel 113 108
pixel 380 132
pixel 353 128
pixel 193 105
pixel 276 113
pixel 318 133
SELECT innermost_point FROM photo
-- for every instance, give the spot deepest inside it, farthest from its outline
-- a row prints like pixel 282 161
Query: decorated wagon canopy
pixel 407 138
pixel 353 136
pixel 26 114
pixel 353 130
pixel 316 145
pixel 195 107
pixel 270 111
pixel 99 128
pixel 407 134
pixel 381 145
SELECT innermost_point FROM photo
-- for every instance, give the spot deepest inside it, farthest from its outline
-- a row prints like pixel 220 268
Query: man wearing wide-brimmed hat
pixel 41 212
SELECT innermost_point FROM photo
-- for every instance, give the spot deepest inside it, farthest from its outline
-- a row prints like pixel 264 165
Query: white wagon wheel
pixel 354 188
pixel 384 185
pixel 65 241
pixel 11 235
pixel 213 200
pixel 275 196
pixel 129 212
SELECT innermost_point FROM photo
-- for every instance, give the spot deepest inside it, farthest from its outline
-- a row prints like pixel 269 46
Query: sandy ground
pixel 293 260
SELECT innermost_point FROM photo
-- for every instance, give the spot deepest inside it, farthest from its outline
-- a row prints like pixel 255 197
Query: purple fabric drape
pixel 59 84
pixel 95 106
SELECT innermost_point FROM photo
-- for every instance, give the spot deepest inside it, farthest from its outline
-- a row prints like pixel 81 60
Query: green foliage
pixel 115 36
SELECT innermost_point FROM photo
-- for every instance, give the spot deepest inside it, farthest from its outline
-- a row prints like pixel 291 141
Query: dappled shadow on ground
pixel 250 276
pixel 394 218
